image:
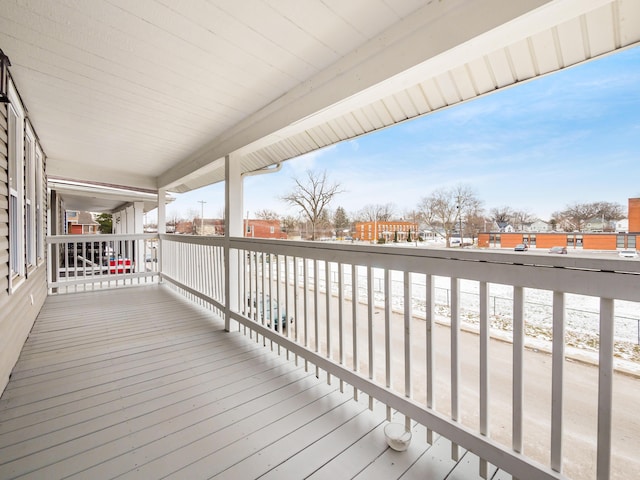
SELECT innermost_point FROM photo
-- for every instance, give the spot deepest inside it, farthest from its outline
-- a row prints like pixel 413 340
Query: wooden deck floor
pixel 140 383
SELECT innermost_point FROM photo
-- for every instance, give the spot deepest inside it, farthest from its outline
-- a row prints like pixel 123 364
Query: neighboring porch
pixel 142 383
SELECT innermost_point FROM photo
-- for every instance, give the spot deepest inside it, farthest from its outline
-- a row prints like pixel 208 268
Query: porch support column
pixel 138 227
pixel 232 228
pixel 162 226
pixel 162 211
pixel 138 217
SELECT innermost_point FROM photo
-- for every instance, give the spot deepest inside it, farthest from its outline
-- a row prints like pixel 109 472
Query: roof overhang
pixel 157 97
pixel 101 198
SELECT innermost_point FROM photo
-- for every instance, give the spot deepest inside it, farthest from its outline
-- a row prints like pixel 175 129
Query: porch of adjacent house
pixel 143 383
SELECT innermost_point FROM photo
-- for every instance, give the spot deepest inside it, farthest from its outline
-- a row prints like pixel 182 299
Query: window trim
pixel 29 197
pixel 40 205
pixel 15 161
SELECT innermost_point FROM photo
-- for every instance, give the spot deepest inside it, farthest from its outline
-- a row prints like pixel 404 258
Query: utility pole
pixel 201 202
pixel 459 207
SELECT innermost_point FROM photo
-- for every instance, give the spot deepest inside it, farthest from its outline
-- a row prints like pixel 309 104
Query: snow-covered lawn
pixel 581 312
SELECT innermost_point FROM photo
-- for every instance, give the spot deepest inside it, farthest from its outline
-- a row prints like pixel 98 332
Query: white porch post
pixel 162 226
pixel 162 211
pixel 130 225
pixel 233 228
pixel 138 217
pixel 138 227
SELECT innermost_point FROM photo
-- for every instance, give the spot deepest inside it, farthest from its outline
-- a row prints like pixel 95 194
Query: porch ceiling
pixel 147 94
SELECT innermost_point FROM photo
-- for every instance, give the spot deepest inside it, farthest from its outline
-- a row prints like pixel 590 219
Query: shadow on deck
pixel 142 383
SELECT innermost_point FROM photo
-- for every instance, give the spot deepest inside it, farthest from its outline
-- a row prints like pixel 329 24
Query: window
pixel 15 136
pixel 39 204
pixel 272 229
pixel 631 241
pixel 620 241
pixel 29 196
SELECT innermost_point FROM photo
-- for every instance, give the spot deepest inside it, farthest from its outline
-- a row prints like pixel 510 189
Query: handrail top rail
pixel 101 237
pixel 531 258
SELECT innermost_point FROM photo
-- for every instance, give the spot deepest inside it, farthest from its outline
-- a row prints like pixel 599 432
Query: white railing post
pixel 518 367
pixel 455 359
pixel 485 326
pixel 429 347
pixel 605 388
pixel 557 381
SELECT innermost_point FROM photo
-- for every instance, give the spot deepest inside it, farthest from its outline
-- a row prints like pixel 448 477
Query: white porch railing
pixel 369 317
pixel 360 343
pixel 85 262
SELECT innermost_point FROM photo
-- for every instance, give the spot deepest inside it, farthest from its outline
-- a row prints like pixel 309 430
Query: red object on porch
pixel 121 265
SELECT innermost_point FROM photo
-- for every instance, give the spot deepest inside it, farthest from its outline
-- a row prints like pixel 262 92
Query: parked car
pixel 628 254
pixel 521 247
pixel 258 307
pixel 560 250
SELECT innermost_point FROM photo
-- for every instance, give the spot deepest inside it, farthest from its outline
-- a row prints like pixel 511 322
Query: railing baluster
pixel 354 322
pixel 408 314
pixel 605 388
pixel 370 308
pixel 271 320
pixel 316 315
pixel 279 308
pixel 430 357
pixel 484 369
pixel 305 293
pixel 327 287
pixel 455 359
pixel 387 332
pixel 518 367
pixel 295 302
pixel 286 299
pixel 262 312
pixel 340 319
pixel 557 380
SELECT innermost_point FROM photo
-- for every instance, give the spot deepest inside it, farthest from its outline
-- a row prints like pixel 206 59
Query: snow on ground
pixel 581 312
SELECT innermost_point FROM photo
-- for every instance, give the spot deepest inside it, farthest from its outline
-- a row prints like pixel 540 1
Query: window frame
pixel 29 197
pixel 40 205
pixel 15 172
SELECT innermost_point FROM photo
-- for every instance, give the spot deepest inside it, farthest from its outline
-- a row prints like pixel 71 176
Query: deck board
pixel 141 383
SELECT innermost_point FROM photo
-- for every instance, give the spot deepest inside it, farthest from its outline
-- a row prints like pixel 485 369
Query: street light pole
pixel 201 202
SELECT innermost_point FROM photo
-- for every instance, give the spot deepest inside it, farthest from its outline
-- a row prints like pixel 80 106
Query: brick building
pixel 254 228
pixel 634 215
pixel 371 231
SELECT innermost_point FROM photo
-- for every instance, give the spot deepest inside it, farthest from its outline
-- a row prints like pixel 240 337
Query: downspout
pixel 264 170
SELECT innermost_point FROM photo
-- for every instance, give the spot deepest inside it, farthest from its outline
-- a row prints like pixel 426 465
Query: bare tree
pixel 502 216
pixel 291 225
pixel 377 213
pixel 312 195
pixel 520 218
pixel 443 211
pixel 266 214
pixel 574 216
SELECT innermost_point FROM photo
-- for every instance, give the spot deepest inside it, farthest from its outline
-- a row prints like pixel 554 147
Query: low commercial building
pixel 576 240
pixel 387 231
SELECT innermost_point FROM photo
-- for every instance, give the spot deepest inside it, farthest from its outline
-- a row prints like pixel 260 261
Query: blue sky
pixel 573 136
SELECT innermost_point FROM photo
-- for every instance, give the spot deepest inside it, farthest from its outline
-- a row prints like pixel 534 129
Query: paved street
pixel 580 387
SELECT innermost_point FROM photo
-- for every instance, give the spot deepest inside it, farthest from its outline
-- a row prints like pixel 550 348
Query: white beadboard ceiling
pixel 154 93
